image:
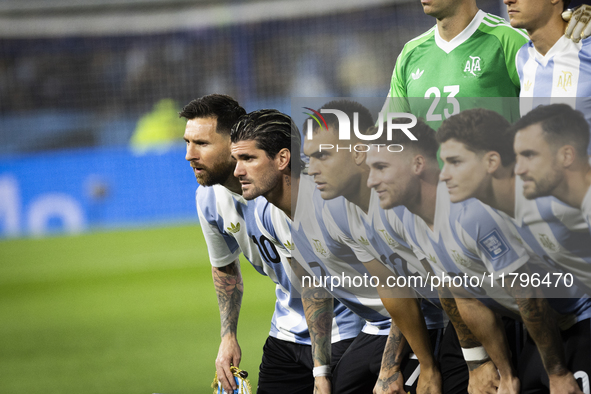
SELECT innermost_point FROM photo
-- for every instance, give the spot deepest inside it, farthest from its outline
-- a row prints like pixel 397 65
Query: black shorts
pixel 577 346
pixel 358 370
pixel 286 367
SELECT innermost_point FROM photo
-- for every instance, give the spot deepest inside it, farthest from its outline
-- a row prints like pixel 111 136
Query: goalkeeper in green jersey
pixel 467 60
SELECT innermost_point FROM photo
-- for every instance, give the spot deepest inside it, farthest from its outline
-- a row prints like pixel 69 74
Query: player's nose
pixel 519 167
pixel 191 153
pixel 239 170
pixel 313 167
pixel 444 175
pixel 372 180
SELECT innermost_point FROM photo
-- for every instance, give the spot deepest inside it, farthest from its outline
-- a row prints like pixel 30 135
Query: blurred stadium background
pixel 90 141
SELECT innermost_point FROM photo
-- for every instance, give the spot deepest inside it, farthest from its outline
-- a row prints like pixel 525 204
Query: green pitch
pixel 119 312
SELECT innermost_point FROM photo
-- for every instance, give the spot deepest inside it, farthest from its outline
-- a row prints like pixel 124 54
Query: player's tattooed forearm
pixel 465 336
pixel 394 350
pixel 318 308
pixel 540 320
pixel 229 288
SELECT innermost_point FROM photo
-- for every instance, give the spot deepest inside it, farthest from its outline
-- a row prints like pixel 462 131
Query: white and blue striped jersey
pixel 446 255
pixel 490 235
pixel 229 226
pixel 316 254
pixel 557 232
pixel 348 224
pixel 563 75
pixel 586 207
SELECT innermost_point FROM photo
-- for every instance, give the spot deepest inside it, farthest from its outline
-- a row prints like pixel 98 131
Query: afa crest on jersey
pixel 459 259
pixel 473 66
pixel 391 241
pixel 565 80
pixel 319 248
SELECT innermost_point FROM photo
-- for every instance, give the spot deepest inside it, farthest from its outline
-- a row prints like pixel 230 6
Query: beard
pixel 543 187
pixel 217 174
pixel 262 186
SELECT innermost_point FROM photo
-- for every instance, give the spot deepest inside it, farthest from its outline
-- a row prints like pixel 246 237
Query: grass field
pixel 119 312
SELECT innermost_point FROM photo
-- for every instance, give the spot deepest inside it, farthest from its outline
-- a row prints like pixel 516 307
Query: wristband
pixel 323 370
pixel 475 354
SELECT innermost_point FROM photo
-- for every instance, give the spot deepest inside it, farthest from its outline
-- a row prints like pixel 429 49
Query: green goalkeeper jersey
pixel 435 79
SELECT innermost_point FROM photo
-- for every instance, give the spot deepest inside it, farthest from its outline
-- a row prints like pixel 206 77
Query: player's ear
pixel 359 157
pixel 283 159
pixel 492 161
pixel 418 164
pixel 566 155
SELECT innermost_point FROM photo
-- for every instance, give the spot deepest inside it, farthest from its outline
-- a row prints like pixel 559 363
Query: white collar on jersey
pixel 562 45
pixel 458 40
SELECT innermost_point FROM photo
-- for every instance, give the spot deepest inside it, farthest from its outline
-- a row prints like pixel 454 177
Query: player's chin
pixel 456 197
pixel 386 203
pixel 249 192
pixel 203 179
pixel 531 193
pixel 327 194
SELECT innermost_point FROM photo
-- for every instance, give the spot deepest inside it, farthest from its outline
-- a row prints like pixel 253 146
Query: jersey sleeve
pixel 510 39
pixel 221 246
pixel 397 95
pixel 483 233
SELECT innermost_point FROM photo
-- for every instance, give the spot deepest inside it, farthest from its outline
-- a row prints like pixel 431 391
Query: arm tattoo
pixel 465 336
pixel 540 321
pixel 394 353
pixel 384 384
pixel 318 308
pixel 229 289
pixel 394 350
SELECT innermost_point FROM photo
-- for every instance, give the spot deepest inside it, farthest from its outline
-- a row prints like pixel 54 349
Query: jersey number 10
pixel 264 244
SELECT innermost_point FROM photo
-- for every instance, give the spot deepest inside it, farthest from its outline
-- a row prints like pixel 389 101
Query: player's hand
pixel 322 385
pixel 509 385
pixel 389 382
pixel 578 22
pixel 484 379
pixel 564 384
pixel 228 354
pixel 429 381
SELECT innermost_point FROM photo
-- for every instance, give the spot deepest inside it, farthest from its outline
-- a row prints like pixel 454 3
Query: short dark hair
pixel 349 107
pixel 562 125
pixel 272 131
pixel 223 107
pixel 480 130
pixel 426 144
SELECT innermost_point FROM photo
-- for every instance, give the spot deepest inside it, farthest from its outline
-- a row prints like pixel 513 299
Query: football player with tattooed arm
pixel 480 167
pixel 410 178
pixel 229 228
pixel 267 169
pixel 350 217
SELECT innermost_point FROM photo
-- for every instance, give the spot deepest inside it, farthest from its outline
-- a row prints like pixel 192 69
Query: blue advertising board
pixel 74 191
